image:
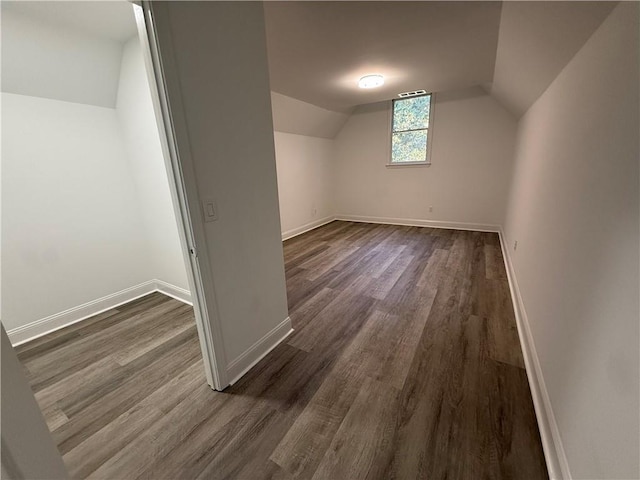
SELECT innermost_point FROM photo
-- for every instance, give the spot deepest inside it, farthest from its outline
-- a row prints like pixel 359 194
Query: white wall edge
pixel 556 459
pixel 411 222
pixel 242 364
pixel 294 232
pixel 57 321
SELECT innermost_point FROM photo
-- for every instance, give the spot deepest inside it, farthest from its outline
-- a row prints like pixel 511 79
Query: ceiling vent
pixel 412 94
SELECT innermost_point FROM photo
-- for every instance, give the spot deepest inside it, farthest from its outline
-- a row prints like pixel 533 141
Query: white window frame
pixel 427 161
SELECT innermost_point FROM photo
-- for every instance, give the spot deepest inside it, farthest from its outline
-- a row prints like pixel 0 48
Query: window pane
pixel 411 113
pixel 409 146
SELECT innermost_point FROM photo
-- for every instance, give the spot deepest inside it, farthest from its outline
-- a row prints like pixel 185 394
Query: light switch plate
pixel 210 210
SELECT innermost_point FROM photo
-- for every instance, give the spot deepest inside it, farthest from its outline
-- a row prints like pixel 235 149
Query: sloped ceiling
pixel 537 39
pixel 45 58
pixel 318 50
pixel 294 116
pixel 108 19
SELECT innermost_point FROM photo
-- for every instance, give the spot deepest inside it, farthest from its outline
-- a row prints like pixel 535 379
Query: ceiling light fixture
pixel 371 81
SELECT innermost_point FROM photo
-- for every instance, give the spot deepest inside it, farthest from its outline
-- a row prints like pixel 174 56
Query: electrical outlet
pixel 430 208
pixel 314 211
pixel 515 245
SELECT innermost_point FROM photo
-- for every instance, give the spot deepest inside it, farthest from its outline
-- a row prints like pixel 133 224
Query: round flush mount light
pixel 371 81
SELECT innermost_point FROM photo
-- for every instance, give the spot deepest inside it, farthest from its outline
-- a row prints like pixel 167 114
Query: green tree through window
pixel 410 129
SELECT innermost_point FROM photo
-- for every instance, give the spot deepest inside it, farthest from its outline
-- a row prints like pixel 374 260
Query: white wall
pixel 574 210
pixel 305 158
pixel 43 60
pixel 305 181
pixel 218 82
pixel 71 226
pixel 86 210
pixel 141 138
pixel 467 183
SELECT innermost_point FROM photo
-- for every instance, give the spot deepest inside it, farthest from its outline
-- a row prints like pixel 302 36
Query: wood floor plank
pixel 306 312
pixel 305 443
pixel 434 268
pixel 172 393
pixel 514 425
pixel 363 445
pixel 421 444
pixel 181 320
pixel 76 355
pixel 114 437
pixel 172 430
pixel 57 339
pixel 80 384
pixel 329 331
pixel 248 451
pixel 379 287
pixel 123 378
pixel 319 265
pixel 101 411
pixel 494 262
pixel 405 363
pixel 54 416
pixel 495 305
pixel 372 354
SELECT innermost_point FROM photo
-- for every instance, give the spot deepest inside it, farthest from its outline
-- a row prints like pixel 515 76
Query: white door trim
pixel 184 192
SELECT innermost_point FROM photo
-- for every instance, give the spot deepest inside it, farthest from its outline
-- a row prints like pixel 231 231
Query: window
pixel 410 130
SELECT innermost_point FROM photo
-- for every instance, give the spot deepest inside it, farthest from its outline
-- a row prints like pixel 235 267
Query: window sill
pixel 408 164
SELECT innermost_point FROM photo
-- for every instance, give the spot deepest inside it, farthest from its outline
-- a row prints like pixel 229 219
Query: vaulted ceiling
pixel 318 50
pixel 537 39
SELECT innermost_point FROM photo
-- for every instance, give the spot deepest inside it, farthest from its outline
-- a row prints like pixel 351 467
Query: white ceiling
pixel 111 19
pixel 318 50
pixel 295 116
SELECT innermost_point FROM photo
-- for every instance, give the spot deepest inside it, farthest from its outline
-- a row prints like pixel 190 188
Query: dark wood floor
pixel 404 363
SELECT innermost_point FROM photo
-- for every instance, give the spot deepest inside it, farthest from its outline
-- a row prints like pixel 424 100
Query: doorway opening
pixel 103 295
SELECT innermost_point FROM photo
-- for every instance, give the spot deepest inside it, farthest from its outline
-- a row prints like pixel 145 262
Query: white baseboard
pixel 554 453
pixel 38 328
pixel 242 364
pixel 294 232
pixel 412 222
pixel 170 290
pixel 73 315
